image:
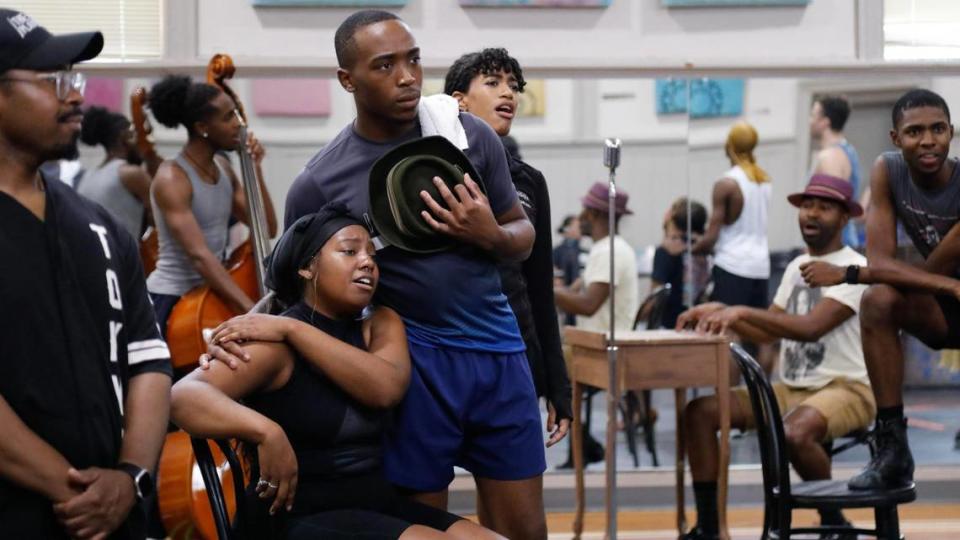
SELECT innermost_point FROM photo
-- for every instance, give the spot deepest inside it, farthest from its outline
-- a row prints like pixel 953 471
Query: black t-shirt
pixel 529 288
pixel 75 326
pixel 334 436
pixel 668 268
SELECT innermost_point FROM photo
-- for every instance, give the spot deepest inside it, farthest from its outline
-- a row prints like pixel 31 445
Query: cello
pixel 145 146
pixel 184 505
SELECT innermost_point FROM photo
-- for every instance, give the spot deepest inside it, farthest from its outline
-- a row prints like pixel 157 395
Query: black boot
pixel 697 533
pixel 892 466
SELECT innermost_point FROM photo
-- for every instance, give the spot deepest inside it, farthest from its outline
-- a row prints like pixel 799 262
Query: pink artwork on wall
pixel 104 92
pixel 291 97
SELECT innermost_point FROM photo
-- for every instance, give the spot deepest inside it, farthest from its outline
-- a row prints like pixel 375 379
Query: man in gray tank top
pixel 920 187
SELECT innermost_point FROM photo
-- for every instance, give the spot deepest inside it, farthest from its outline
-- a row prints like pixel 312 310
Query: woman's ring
pixel 267 483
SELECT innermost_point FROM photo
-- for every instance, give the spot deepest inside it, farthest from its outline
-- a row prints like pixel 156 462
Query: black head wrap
pixel 297 246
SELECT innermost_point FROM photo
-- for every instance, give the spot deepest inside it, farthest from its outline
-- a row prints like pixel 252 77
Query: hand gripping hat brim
pixel 396 180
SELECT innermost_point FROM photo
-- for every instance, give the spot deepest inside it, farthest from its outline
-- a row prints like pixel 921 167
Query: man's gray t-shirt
pixel 451 299
pixel 927 215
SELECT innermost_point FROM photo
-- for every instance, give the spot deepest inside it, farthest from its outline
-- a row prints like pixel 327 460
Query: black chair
pixel 211 480
pixel 649 314
pixel 780 497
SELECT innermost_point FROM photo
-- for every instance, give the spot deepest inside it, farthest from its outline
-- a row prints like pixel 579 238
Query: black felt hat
pixel 396 180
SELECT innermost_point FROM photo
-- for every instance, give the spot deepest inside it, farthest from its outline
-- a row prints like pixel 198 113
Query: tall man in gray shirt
pixel 920 186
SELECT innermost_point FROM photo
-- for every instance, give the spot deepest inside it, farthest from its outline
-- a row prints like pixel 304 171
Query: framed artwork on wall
pixel 700 98
pixel 291 97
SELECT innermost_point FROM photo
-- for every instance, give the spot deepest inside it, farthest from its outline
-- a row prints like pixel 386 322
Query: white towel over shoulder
pixel 440 115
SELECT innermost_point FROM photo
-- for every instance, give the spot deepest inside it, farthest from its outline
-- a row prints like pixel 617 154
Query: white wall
pixel 566 143
pixel 581 110
pixel 625 34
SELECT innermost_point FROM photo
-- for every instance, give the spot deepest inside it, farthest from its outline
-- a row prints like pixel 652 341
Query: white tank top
pixel 742 247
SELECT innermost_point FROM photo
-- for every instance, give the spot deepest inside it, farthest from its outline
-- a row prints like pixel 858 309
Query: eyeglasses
pixel 62 81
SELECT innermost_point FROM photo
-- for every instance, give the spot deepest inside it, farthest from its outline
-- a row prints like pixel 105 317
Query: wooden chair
pixel 780 497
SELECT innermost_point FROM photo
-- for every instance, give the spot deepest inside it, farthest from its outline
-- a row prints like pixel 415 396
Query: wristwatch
pixel 141 479
pixel 853 274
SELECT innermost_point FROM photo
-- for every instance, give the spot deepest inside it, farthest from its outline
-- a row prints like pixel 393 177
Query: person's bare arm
pixel 204 405
pixel 204 402
pixel 377 377
pixel 584 302
pixel 774 323
pixel 723 191
pixel 173 194
pixel 833 161
pixel 29 461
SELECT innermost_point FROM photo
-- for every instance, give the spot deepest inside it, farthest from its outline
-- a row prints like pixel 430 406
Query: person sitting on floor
pixel 824 391
pixel 317 388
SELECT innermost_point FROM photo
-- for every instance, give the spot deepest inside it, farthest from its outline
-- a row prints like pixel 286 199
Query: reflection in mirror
pixel 795 139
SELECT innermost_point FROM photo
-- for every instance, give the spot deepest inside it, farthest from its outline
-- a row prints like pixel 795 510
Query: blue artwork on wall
pixel 701 98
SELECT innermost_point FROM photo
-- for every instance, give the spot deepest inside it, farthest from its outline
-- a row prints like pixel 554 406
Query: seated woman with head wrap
pixel 317 383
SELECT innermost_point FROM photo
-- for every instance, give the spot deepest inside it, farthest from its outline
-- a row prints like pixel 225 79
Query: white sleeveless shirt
pixel 742 246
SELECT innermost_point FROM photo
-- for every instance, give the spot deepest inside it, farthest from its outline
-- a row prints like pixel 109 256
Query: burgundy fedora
pixel 825 186
pixel 598 198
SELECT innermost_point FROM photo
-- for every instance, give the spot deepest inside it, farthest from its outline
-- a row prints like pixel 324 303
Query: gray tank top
pixel 103 186
pixel 211 205
pixel 926 215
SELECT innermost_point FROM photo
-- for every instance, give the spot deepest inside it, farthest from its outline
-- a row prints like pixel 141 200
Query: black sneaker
pixel 892 466
pixel 697 533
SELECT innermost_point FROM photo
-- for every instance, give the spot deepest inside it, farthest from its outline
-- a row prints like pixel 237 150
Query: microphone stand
pixel 611 159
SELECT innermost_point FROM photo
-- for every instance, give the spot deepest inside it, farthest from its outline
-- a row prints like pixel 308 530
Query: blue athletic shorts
pixel 476 410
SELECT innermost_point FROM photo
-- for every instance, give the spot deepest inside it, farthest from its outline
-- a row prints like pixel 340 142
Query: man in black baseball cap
pixel 84 376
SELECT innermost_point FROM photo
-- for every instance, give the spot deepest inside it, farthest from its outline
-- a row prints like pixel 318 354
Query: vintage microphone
pixel 611 160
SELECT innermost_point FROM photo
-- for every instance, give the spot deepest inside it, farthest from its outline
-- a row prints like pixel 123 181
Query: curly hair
pixel 485 62
pixel 177 100
pixel 101 126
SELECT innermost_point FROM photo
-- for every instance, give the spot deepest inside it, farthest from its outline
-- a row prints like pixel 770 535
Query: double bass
pixel 184 505
pixel 145 146
pixel 200 310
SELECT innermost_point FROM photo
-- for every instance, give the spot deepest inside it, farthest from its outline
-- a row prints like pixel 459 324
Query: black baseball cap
pixel 24 44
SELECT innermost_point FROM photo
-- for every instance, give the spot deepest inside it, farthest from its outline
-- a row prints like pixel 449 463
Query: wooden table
pixel 648 360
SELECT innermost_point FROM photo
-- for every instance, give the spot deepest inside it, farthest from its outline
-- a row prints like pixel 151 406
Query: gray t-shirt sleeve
pixel 491 163
pixel 303 198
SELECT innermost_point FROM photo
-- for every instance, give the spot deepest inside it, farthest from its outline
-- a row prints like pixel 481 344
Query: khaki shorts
pixel 847 405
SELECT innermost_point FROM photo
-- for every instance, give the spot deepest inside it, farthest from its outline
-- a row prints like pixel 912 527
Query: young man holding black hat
pixel 84 377
pixel 471 400
pixel 824 392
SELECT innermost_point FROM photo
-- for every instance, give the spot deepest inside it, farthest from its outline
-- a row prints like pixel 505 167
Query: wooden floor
pixel 918 522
